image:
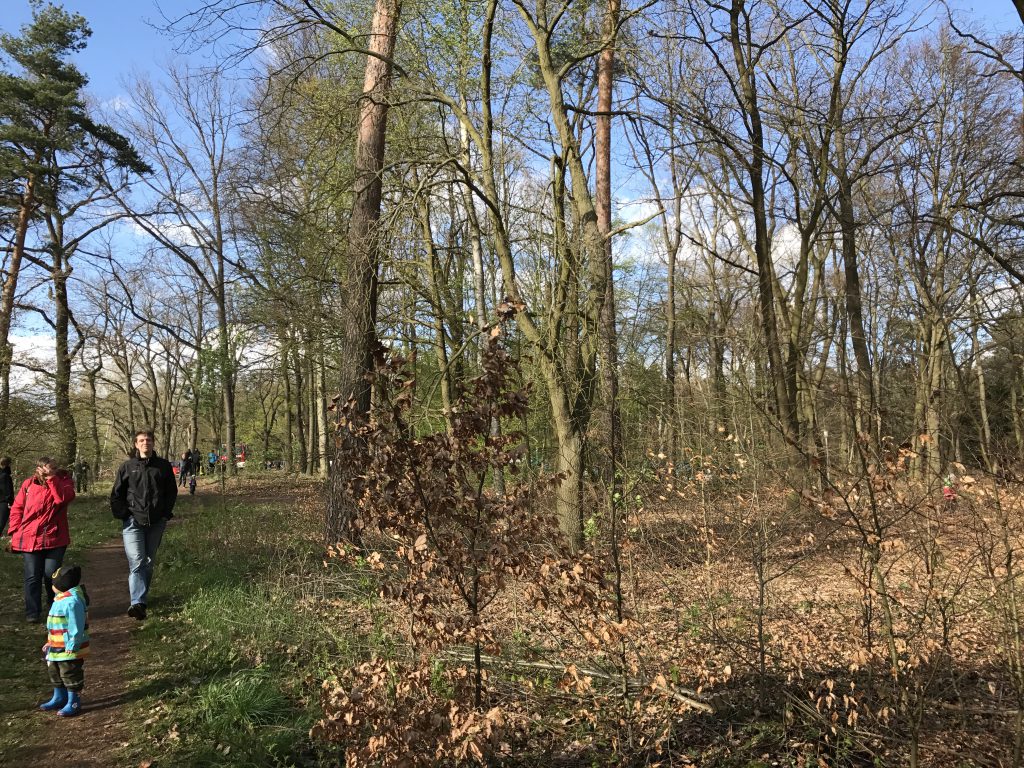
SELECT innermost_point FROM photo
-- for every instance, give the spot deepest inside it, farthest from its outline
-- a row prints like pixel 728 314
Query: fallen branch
pixel 978 710
pixel 635 685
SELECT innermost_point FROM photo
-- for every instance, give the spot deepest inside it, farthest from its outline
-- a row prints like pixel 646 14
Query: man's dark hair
pixel 5 462
pixel 133 452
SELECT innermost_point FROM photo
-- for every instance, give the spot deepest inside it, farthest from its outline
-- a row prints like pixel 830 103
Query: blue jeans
pixel 39 567
pixel 140 545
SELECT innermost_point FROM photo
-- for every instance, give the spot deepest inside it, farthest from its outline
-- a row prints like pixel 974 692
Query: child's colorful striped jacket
pixel 66 626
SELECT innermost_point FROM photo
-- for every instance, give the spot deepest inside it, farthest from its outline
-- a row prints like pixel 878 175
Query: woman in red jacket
pixel 39 530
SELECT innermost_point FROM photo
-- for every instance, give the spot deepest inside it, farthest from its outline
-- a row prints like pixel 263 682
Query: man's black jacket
pixel 145 489
pixel 6 487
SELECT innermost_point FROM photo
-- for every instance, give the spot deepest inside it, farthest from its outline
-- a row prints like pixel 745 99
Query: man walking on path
pixel 143 499
pixel 82 476
pixel 185 468
pixel 6 493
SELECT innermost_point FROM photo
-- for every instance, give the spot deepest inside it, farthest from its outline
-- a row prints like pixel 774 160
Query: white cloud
pixel 173 232
pixel 636 211
pixel 117 104
pixel 38 346
pixel 36 349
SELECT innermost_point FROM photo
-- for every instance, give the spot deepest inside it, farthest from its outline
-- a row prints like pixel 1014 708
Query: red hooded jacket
pixel 39 514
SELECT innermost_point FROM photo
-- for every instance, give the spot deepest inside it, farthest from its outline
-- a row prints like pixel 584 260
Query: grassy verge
pixel 22 678
pixel 226 670
pixel 233 649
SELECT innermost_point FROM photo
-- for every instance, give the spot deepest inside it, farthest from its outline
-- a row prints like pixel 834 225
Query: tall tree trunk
pixel 197 381
pixel 716 344
pixel 94 422
pixel 854 308
pixel 930 284
pixel 934 401
pixel 928 399
pixel 289 405
pixel 7 296
pixel 984 428
pixel 321 415
pixel 604 265
pixel 362 255
pixel 129 388
pixel 593 244
pixel 312 425
pixel 227 367
pixel 766 283
pixel 479 278
pixel 569 465
pixel 1018 418
pixel 62 363
pixel 300 418
pixel 434 281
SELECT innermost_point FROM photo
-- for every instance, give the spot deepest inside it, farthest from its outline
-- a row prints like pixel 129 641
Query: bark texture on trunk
pixel 7 296
pixel 785 406
pixel 604 265
pixel 362 255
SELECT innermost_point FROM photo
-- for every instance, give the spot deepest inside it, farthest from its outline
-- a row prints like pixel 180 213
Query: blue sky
pixel 125 40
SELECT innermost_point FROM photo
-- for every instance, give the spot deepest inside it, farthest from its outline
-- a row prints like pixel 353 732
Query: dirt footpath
pixel 91 739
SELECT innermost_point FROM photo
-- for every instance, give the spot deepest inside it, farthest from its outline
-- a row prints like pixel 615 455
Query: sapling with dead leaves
pixel 997 531
pixel 456 539
pixel 449 545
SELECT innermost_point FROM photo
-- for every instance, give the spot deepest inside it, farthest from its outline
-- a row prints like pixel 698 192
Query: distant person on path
pixel 67 641
pixel 6 493
pixel 211 461
pixel 82 477
pixel 143 499
pixel 949 490
pixel 197 460
pixel 186 468
pixel 39 530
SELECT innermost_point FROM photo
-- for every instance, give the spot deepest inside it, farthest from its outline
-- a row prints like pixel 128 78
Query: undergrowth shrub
pixel 445 544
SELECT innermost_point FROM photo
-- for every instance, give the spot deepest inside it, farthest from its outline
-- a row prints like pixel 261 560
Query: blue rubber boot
pixel 60 698
pixel 71 708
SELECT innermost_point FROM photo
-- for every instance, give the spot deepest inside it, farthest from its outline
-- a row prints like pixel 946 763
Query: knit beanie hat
pixel 67 577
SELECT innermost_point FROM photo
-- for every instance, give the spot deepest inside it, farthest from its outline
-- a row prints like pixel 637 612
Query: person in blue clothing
pixel 67 641
pixel 211 460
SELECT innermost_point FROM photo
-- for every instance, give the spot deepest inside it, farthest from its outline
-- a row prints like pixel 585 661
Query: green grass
pixel 235 647
pixel 226 670
pixel 22 675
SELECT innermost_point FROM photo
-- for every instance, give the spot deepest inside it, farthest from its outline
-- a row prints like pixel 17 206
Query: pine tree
pixel 49 144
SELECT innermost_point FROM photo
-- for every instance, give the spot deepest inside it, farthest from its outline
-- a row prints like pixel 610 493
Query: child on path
pixel 949 490
pixel 67 641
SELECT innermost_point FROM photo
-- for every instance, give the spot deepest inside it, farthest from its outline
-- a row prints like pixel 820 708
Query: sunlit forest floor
pixel 755 632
